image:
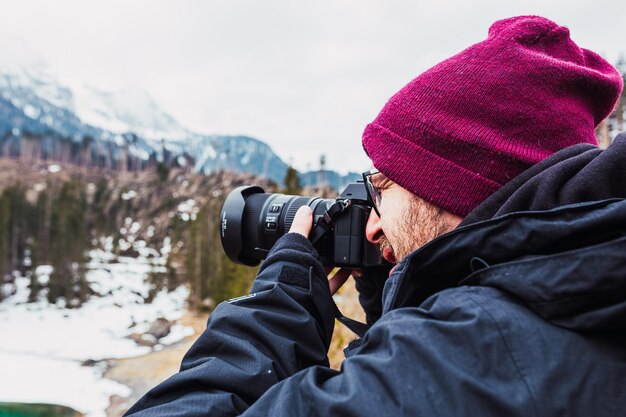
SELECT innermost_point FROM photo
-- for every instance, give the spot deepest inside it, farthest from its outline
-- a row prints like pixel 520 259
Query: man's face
pixel 406 222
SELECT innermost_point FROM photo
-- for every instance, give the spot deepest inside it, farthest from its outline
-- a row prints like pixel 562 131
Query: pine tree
pixel 162 171
pixel 212 277
pixel 227 279
pixel 292 182
pixel 41 226
pixel 5 218
pixel 18 229
pixel 197 259
pixel 69 245
pixel 34 286
pixel 15 232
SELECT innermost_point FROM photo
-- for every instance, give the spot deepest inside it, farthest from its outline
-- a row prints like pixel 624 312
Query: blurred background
pixel 124 125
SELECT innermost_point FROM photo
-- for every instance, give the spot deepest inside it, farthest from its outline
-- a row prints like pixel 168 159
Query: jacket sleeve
pixel 449 357
pixel 252 342
pixel 265 355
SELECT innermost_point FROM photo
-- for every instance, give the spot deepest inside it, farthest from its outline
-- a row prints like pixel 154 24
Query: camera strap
pixel 323 225
pixel 357 327
pixel 326 222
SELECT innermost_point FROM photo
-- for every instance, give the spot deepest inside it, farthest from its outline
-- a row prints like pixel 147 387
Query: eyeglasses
pixel 373 194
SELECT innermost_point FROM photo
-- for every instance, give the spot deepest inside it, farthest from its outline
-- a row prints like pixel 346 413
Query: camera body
pixel 252 221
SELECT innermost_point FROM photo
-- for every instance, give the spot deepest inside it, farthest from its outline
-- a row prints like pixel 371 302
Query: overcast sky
pixel 305 77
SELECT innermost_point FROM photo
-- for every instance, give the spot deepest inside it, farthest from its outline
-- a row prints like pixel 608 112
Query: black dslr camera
pixel 252 221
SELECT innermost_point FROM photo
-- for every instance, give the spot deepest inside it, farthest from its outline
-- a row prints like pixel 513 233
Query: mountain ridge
pixel 35 103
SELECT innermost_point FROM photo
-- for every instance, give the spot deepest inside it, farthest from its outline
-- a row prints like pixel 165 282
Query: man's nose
pixel 373 229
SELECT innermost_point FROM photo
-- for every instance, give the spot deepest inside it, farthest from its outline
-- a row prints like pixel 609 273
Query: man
pixel 507 226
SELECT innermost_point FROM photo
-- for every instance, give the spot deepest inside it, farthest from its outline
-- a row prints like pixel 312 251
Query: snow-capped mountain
pixel 124 109
pixel 34 100
pixel 214 153
pixel 27 86
pixel 73 108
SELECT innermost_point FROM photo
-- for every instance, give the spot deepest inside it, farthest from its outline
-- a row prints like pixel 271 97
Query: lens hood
pixel 231 220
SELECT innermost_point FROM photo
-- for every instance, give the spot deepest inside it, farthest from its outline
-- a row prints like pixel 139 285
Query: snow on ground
pixel 39 379
pixel 42 345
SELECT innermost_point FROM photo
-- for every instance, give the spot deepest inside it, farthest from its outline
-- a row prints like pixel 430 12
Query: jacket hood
pixel 555 238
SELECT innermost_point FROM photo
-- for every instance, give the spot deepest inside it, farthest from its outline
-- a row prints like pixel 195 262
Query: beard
pixel 421 222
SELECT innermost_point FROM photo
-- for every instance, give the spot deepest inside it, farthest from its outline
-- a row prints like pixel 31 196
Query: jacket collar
pixel 473 254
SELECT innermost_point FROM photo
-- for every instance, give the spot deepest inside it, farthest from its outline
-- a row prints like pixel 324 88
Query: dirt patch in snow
pixel 142 373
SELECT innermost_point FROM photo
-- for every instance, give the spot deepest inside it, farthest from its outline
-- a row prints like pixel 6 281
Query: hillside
pixel 134 289
pixel 95 267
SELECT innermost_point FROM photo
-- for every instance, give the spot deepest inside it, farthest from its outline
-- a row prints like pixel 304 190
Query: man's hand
pixel 338 279
pixel 302 224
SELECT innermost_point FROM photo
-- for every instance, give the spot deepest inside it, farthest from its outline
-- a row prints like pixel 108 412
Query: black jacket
pixel 520 311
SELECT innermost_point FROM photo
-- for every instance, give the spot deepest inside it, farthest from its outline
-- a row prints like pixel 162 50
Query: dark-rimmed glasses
pixel 373 194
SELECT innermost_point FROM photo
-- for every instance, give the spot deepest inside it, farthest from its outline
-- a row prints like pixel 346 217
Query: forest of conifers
pixel 56 219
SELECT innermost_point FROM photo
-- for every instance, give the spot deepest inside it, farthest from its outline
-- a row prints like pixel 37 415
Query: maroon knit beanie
pixel 464 128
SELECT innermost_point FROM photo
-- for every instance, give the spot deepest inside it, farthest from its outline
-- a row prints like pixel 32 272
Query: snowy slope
pixel 124 109
pixel 43 346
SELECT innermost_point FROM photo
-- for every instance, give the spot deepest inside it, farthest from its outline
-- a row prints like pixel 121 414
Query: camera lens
pixel 252 221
